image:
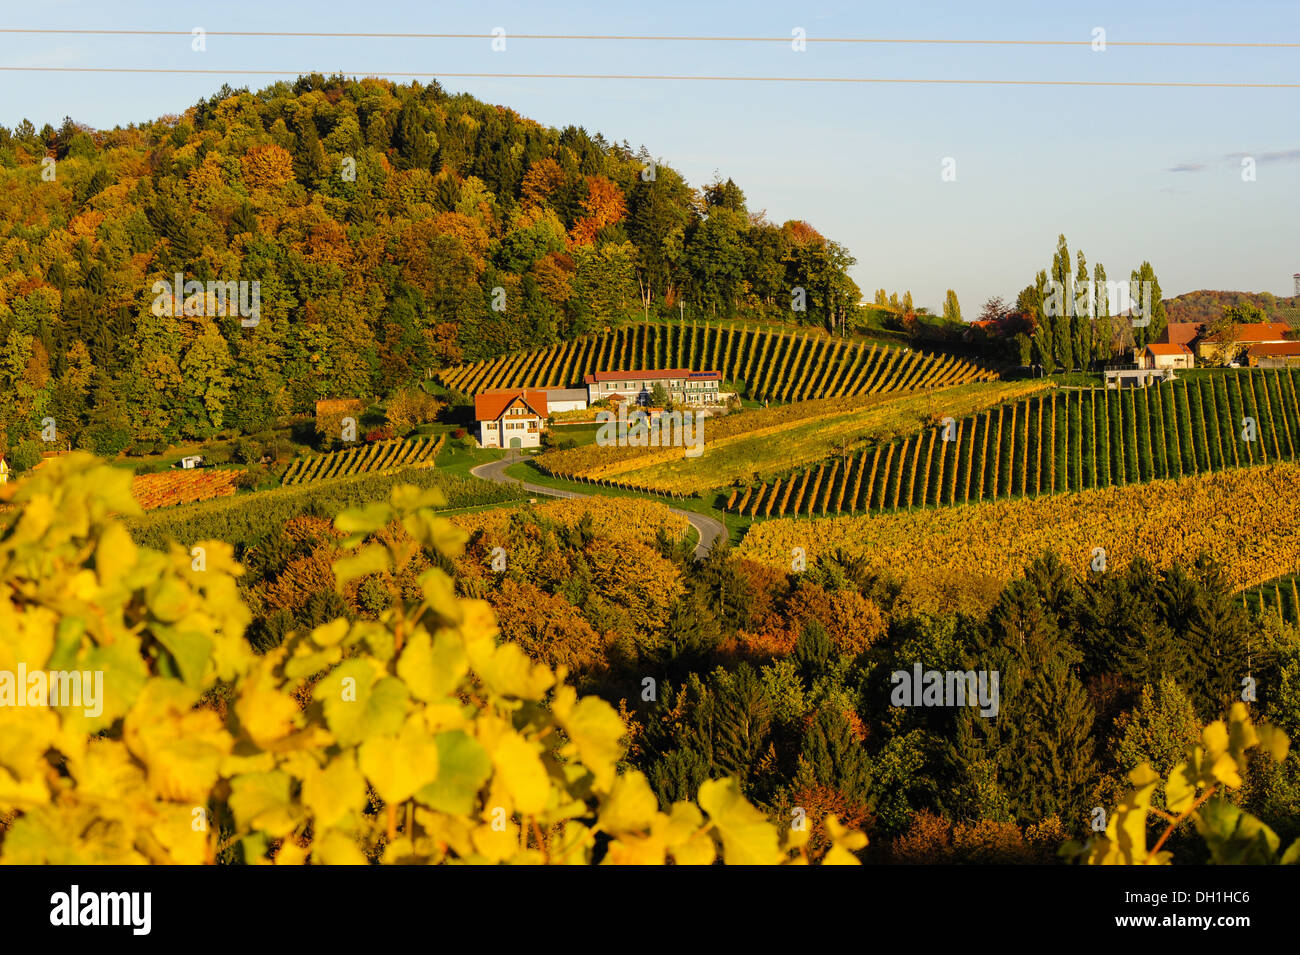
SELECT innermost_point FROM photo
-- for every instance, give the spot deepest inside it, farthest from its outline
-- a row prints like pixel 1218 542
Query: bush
pixel 105 440
pixel 252 477
pixel 247 451
pixel 384 433
pixel 410 407
pixel 24 455
pixel 459 433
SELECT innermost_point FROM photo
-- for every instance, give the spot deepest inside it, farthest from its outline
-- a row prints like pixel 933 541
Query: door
pixel 515 443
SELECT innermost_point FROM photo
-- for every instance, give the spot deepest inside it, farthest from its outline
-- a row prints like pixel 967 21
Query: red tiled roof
pixel 654 374
pixel 1180 333
pixel 490 405
pixel 1159 348
pixel 1262 332
pixel 1272 349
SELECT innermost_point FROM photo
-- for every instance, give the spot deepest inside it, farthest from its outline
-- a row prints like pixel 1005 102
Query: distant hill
pixel 1205 305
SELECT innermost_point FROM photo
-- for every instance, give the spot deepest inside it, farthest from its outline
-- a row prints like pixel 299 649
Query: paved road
pixel 709 528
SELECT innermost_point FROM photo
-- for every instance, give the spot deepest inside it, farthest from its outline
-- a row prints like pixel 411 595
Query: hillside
pixel 780 366
pixel 382 230
pixel 1206 305
pixel 1072 441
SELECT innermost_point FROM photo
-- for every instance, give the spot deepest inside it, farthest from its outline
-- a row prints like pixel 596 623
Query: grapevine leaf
pixel 463 768
pixel 747 837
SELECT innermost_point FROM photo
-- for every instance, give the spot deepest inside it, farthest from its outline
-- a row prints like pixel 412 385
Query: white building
pixel 684 387
pixel 566 399
pixel 510 418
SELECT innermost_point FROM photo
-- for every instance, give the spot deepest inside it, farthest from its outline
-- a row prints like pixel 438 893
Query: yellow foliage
pixel 1247 519
pixel 478 754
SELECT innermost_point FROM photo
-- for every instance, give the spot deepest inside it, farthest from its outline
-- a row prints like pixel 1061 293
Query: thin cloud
pixel 1187 167
pixel 1261 158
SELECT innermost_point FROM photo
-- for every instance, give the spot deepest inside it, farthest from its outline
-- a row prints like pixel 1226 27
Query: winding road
pixel 709 528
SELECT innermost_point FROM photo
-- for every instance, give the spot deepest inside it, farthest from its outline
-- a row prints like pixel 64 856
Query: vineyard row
pixel 378 457
pixel 1057 442
pixel 777 366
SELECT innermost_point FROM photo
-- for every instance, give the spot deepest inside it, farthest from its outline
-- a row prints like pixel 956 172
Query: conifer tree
pixel 832 756
pixel 1056 763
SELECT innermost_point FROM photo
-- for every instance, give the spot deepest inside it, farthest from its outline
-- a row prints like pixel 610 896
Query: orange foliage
pixel 552 272
pixel 267 167
pixel 301 579
pixel 852 621
pixel 801 233
pixel 470 233
pixel 932 840
pixel 603 206
pixel 821 801
pixel 167 488
pixel 547 628
pixel 542 179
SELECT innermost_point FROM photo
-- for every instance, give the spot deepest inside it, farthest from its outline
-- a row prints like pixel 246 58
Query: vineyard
pixel 1051 443
pixel 768 441
pixel 1280 596
pixel 777 366
pixel 380 457
pixel 169 488
pixel 246 518
pixel 1247 519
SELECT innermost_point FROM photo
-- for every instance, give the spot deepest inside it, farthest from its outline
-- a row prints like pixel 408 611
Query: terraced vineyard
pixel 768 441
pixel 1063 441
pixel 778 366
pixel 380 457
pixel 169 488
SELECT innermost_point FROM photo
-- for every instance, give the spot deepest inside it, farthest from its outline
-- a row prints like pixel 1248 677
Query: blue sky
pixel 1127 174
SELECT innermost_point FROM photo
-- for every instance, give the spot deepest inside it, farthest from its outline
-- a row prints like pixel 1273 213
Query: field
pixel 169 488
pixel 771 441
pixel 1063 441
pixel 248 517
pixel 380 457
pixel 1248 519
pixel 777 366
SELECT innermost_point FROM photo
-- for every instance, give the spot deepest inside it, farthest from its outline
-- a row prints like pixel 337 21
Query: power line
pixel 647 38
pixel 656 76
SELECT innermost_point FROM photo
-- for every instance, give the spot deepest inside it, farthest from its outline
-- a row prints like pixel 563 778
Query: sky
pixel 1127 174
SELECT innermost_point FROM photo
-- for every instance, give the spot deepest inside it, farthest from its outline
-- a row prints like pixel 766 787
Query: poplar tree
pixel 1103 339
pixel 951 308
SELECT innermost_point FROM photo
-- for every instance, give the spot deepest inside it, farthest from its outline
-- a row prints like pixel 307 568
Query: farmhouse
pixel 1157 355
pixel 683 386
pixel 1274 355
pixel 1243 338
pixel 510 418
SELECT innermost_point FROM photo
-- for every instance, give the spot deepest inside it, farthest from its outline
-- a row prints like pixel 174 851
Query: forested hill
pixel 393 229
pixel 1206 305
